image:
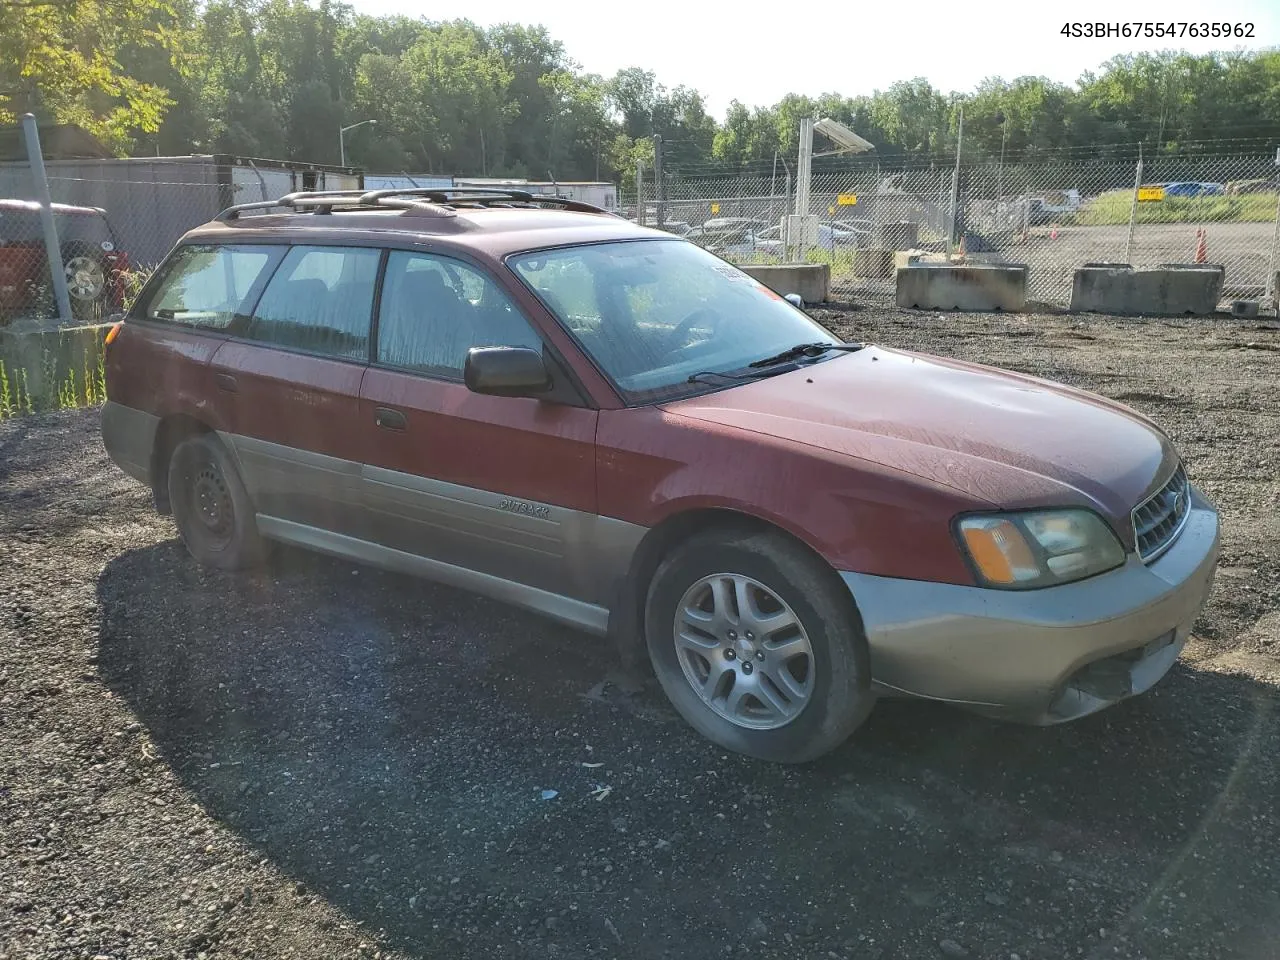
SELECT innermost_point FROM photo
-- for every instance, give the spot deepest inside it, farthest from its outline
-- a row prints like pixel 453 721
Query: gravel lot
pixel 327 761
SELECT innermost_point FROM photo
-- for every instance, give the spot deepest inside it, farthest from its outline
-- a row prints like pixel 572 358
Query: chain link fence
pixel 1054 216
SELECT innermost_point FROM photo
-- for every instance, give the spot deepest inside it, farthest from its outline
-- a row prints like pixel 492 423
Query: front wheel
pixel 755 645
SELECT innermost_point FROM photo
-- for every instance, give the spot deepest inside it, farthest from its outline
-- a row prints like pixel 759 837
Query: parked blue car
pixel 1193 188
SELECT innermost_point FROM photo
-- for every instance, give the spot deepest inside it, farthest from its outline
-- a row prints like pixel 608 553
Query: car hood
pixel 1008 440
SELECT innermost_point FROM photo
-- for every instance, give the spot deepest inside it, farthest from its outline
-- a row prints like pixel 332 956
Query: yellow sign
pixel 1150 194
pixel 831 211
pixel 847 199
pixel 715 208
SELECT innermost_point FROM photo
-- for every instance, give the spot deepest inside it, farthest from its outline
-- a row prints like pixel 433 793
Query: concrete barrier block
pixel 42 365
pixel 981 286
pixel 873 262
pixel 811 281
pixel 904 258
pixel 897 235
pixel 1169 290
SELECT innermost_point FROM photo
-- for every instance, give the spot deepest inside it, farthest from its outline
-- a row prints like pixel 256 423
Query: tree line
pixel 276 78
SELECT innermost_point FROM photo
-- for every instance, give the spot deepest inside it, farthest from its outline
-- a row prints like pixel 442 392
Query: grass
pixel 1112 209
pixel 83 387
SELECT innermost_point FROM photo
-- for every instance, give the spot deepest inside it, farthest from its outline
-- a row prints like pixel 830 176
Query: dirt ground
pixel 322 760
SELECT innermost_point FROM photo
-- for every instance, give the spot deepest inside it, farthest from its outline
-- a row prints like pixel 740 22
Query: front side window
pixel 651 313
pixel 209 286
pixel 435 309
pixel 319 300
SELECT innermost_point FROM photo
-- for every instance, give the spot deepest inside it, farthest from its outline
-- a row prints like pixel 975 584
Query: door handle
pixel 226 382
pixel 388 419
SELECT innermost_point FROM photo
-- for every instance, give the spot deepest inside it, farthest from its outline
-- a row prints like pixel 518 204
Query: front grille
pixel 1158 520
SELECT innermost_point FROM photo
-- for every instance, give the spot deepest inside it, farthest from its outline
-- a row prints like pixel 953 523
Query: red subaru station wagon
pixel 543 403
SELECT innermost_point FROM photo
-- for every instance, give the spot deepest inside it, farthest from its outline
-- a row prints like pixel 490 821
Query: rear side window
pixel 320 300
pixel 209 286
pixel 435 309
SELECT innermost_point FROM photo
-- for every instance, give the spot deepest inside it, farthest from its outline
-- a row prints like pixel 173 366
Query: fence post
pixel 955 189
pixel 1133 208
pixel 659 191
pixel 53 253
pixel 1273 294
pixel 773 189
pixel 640 192
pixel 786 201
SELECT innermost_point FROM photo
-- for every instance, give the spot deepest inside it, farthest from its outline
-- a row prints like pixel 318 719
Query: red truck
pixel 92 259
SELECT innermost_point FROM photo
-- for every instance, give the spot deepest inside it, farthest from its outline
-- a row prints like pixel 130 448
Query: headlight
pixel 1019 551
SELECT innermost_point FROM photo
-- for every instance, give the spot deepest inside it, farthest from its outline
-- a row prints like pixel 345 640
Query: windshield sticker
pixel 734 274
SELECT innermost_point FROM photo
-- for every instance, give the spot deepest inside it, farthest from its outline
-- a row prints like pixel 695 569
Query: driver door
pixel 503 486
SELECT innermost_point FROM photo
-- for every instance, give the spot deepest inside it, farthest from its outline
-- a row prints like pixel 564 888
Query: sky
pixel 846 46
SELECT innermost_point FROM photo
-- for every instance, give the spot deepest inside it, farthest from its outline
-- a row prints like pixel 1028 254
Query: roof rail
pixel 423 201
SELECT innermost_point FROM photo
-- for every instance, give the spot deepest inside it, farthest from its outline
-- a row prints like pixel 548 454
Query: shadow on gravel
pixel 389 742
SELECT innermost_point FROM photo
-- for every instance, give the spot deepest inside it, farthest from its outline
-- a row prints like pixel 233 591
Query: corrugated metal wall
pixel 151 203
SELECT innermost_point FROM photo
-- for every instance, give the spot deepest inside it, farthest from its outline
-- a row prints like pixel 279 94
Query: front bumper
pixel 1041 656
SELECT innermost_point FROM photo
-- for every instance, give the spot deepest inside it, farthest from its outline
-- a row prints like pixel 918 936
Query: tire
pixel 88 280
pixel 211 507
pixel 808 703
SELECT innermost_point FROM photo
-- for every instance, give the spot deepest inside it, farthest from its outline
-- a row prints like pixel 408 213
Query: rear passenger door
pixel 500 485
pixel 292 375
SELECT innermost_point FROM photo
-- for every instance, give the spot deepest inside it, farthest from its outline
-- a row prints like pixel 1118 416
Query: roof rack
pixel 420 201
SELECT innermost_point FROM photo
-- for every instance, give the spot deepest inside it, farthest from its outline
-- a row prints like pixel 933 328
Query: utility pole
pixel 659 188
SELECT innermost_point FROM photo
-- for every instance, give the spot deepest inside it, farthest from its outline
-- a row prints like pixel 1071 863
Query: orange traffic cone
pixel 961 246
pixel 1202 251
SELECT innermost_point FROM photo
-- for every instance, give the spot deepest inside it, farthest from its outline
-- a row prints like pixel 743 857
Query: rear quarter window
pixel 209 286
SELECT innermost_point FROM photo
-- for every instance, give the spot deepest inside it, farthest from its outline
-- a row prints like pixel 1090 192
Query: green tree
pixel 59 61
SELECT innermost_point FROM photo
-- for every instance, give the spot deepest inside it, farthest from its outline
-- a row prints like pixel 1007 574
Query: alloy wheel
pixel 744 651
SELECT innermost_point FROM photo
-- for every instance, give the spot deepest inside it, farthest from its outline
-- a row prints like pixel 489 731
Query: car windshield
pixel 651 313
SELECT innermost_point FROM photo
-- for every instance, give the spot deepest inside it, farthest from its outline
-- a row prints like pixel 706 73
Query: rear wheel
pixel 88 281
pixel 755 645
pixel 212 509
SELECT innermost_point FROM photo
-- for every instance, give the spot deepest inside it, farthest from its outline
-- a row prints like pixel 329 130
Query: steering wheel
pixel 677 339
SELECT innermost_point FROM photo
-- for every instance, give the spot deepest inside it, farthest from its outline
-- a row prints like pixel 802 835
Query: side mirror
pixel 506 371
pixel 794 300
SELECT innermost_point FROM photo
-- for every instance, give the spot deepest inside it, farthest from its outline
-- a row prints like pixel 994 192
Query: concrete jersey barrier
pixel 1169 290
pixel 977 286
pixel 811 281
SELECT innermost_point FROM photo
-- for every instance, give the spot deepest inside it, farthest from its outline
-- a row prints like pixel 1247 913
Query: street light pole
pixel 342 143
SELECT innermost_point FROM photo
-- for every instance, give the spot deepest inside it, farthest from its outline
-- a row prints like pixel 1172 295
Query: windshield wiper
pixel 703 376
pixel 805 350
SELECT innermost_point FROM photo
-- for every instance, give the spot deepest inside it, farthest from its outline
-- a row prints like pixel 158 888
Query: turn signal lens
pixel 1039 549
pixel 113 333
pixel 999 551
